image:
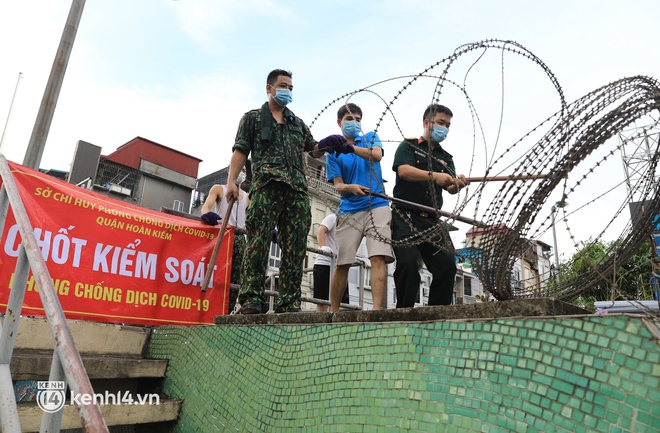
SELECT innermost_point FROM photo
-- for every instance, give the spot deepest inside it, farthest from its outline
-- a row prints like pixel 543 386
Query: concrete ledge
pixel 30 365
pixel 274 319
pixel 122 414
pixel 90 337
pixel 540 307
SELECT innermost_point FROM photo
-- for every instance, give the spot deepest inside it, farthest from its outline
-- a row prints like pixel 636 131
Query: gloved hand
pixel 211 218
pixel 331 142
pixel 274 240
pixel 326 249
pixel 346 147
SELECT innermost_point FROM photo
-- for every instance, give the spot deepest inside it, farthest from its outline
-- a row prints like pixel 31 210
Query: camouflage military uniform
pixel 278 198
pixel 236 264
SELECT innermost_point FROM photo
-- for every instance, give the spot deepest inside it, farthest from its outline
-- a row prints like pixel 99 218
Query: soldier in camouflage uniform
pixel 277 140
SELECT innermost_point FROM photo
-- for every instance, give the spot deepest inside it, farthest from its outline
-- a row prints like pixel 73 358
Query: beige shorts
pixel 351 228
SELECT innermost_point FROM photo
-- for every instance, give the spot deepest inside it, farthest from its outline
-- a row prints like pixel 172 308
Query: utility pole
pixel 37 142
pixel 2 140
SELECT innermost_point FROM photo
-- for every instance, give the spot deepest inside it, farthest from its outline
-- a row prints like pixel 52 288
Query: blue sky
pixel 182 72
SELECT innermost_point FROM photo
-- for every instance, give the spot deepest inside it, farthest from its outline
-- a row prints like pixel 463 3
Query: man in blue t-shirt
pixel 354 172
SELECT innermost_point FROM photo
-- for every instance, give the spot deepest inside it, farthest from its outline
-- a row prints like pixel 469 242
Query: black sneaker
pixel 251 308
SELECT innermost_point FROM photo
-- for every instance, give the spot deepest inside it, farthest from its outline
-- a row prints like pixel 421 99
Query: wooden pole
pixel 431 210
pixel 216 248
pixel 500 178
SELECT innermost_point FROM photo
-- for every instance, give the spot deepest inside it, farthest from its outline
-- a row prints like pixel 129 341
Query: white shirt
pixel 237 216
pixel 329 222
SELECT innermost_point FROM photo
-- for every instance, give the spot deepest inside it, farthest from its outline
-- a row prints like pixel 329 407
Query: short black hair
pixel 272 75
pixel 433 109
pixel 348 108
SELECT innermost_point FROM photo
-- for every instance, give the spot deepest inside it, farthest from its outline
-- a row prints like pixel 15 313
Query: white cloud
pixel 207 21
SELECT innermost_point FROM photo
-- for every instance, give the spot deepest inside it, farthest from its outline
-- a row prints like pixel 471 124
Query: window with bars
pixel 467 286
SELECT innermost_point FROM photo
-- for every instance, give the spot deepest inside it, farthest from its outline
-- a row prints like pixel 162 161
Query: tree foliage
pixel 630 281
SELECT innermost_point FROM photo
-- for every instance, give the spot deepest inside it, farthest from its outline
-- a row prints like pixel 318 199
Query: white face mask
pixel 240 178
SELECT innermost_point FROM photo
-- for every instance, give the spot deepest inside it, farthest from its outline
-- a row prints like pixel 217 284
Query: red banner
pixel 115 262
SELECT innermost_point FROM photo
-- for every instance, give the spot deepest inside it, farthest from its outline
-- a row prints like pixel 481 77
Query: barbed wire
pixel 586 126
pixel 569 137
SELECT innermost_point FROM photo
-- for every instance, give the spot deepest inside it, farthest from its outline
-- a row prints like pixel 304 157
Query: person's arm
pixel 215 195
pixel 310 144
pixel 243 146
pixel 316 153
pixel 320 235
pixel 208 216
pixel 373 150
pixel 236 164
pixel 374 153
pixel 348 188
pixel 414 174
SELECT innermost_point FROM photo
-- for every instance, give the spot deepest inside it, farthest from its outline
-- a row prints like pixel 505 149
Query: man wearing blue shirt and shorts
pixel 354 172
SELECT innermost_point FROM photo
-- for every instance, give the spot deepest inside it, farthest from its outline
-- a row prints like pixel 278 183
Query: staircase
pixel 113 358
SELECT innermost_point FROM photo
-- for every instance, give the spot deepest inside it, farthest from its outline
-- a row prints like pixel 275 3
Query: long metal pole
pixel 9 421
pixel 37 142
pixel 76 375
pixel 554 238
pixel 216 247
pixel 51 422
pixel 431 210
pixel 512 177
pixel 2 140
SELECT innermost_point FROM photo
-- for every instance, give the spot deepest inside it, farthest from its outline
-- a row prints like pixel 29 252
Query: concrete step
pixel 90 337
pixel 125 414
pixel 113 358
pixel 35 365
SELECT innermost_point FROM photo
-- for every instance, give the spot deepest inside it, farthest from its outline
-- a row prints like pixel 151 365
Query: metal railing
pixel 67 364
pixel 333 263
pixel 273 293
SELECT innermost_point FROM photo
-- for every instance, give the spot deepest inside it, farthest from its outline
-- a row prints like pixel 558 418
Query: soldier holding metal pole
pixel 277 140
pixel 423 170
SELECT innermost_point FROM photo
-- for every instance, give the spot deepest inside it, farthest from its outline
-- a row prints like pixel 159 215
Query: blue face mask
pixel 283 97
pixel 351 128
pixel 439 133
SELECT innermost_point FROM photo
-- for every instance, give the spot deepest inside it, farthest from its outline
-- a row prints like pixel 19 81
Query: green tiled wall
pixel 560 374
